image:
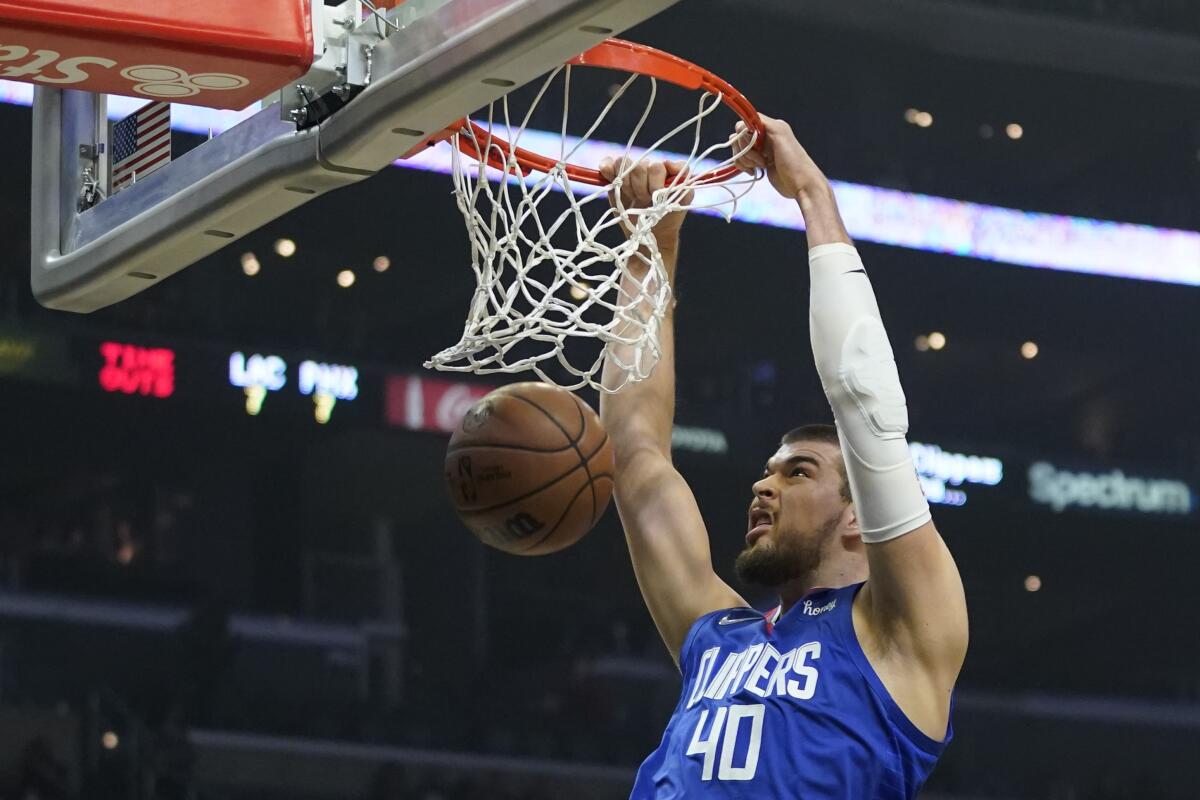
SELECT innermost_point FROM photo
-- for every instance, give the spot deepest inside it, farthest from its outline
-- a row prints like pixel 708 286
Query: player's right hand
pixel 638 186
pixel 788 165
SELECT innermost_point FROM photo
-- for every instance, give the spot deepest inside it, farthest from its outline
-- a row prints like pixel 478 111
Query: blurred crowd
pixel 104 533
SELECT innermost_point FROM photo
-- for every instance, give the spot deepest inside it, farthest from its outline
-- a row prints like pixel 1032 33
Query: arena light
pixel 1029 350
pixel 381 263
pixel 250 264
pixel 922 343
pixel 1033 583
pixel 345 278
pixel 1014 131
pixel 285 248
pixel 110 741
pixel 872 214
pixel 922 119
pixel 937 340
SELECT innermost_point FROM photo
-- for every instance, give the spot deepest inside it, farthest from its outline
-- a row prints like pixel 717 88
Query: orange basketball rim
pixel 635 59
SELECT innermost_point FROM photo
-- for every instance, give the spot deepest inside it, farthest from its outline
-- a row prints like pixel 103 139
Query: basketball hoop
pixel 536 295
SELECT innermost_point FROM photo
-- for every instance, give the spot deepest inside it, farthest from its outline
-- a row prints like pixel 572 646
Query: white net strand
pixel 535 296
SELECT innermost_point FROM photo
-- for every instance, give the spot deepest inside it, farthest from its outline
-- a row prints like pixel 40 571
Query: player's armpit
pixel 915 602
pixel 669 547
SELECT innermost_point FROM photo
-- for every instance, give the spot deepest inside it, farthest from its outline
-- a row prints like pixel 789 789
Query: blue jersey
pixel 790 711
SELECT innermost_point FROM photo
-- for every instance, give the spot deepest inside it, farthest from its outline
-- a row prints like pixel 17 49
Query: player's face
pixel 796 513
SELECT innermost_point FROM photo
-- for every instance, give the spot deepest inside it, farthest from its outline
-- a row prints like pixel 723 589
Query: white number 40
pixel 724 732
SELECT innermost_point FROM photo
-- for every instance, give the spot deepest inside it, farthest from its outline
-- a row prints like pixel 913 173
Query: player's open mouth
pixel 756 533
pixel 760 524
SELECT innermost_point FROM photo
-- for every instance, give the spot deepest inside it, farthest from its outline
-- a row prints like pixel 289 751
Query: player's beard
pixel 773 562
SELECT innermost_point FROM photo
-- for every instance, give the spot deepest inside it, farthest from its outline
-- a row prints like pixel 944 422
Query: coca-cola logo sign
pixel 429 404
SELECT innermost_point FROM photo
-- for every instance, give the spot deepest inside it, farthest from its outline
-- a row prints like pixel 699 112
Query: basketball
pixel 530 469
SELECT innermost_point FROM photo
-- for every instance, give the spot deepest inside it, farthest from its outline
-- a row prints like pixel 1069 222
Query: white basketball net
pixel 536 295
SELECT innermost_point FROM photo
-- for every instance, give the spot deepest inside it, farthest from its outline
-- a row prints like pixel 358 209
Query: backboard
pixel 380 86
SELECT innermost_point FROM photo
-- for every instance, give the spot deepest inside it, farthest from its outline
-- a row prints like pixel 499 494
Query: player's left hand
pixel 787 164
pixel 637 191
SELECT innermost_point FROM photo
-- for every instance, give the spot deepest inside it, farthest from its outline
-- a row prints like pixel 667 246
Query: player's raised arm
pixel 668 542
pixel 914 599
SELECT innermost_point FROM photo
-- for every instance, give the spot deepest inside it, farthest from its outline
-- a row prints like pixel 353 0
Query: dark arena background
pixel 219 594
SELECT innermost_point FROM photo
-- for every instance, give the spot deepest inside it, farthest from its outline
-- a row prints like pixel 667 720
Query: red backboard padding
pixel 218 53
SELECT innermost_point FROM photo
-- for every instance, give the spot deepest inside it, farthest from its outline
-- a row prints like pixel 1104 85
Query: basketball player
pixel 844 690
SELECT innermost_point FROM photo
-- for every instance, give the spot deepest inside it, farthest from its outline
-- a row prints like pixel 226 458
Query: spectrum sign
pixel 1063 490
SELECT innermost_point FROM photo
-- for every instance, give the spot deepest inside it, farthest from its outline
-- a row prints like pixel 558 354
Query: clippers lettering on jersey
pixel 760 669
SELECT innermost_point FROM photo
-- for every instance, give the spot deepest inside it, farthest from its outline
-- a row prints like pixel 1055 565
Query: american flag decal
pixel 141 144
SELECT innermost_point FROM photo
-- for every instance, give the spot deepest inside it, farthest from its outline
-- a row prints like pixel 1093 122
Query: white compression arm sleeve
pixel 858 372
